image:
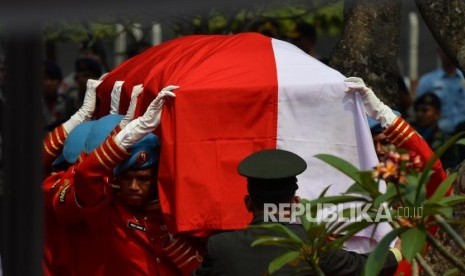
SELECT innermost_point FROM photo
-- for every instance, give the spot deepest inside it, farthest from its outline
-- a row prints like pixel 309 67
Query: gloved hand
pixel 374 107
pixel 115 97
pixel 87 109
pixel 136 91
pixel 103 76
pixel 138 128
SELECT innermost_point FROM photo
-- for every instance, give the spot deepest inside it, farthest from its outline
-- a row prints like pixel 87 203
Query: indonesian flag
pixel 239 94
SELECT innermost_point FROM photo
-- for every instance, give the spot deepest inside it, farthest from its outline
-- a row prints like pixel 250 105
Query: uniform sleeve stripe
pixel 53 145
pixel 115 131
pixel 396 130
pixel 57 136
pixel 107 143
pixel 108 158
pixel 100 160
pixel 182 255
pixel 176 250
pixel 197 256
pixel 116 147
pixel 405 131
pixel 171 245
pixel 405 139
pixel 49 151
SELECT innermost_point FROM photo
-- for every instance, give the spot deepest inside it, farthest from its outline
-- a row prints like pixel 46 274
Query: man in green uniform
pixel 271 178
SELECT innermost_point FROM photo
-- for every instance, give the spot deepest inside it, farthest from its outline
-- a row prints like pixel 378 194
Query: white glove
pixel 87 109
pixel 136 91
pixel 115 97
pixel 374 107
pixel 138 128
pixel 103 76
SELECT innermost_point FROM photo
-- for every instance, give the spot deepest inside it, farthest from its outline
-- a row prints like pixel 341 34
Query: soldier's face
pixel 382 146
pixel 137 187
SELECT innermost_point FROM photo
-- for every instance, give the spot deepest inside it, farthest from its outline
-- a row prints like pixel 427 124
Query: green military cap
pixel 272 164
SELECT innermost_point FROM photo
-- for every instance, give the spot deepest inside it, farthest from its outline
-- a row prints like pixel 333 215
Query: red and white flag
pixel 239 94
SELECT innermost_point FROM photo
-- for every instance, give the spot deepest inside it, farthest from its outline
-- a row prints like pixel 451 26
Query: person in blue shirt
pixel 448 83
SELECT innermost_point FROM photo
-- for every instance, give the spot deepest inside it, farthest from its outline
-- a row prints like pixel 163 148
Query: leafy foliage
pixel 409 212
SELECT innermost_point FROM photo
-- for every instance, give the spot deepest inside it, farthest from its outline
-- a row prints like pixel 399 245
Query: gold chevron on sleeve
pixel 196 256
pixel 101 161
pixel 396 130
pixel 109 159
pixel 182 255
pixel 402 134
pixel 49 151
pixel 406 138
pixel 107 143
pixel 57 136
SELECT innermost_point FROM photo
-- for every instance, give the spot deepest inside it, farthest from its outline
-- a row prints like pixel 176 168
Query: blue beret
pixel 144 154
pixel 272 164
pixel 74 143
pixel 375 126
pixel 101 130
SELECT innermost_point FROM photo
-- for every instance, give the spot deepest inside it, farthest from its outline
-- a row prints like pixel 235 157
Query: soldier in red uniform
pixel 393 130
pixel 77 236
pixel 62 243
pixel 127 220
pixel 52 147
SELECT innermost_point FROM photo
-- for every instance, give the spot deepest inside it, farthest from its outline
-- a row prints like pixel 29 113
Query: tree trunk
pixel 446 21
pixel 369 45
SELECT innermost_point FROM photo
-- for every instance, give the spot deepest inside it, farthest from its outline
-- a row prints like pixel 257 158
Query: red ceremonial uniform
pixel 80 255
pixel 402 135
pixel 71 235
pixel 133 244
pixel 52 147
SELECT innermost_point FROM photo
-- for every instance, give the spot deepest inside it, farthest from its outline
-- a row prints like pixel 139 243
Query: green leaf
pixel 415 192
pixel 277 241
pixel 306 223
pixel 390 193
pixel 341 165
pixel 356 188
pixel 437 209
pixel 323 193
pixel 461 141
pixel 452 272
pixel 349 231
pixel 338 199
pixel 452 200
pixel 278 228
pixel 413 242
pixel 280 261
pixel 437 154
pixel 378 255
pixel 369 183
pixel 443 188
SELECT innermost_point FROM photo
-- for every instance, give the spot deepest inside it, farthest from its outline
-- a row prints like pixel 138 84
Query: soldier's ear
pixel 248 203
pixel 295 199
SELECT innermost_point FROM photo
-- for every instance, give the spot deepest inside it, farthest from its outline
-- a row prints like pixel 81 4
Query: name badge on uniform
pixel 64 190
pixel 136 226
